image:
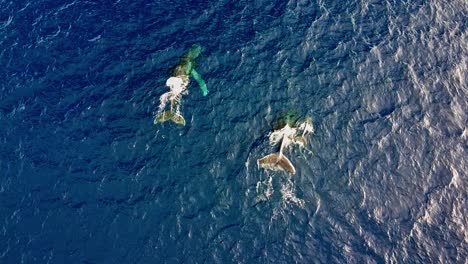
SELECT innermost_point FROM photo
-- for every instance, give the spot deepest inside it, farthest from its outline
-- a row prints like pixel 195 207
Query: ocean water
pixel 86 177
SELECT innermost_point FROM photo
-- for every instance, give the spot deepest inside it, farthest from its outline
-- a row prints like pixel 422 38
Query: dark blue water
pixel 86 177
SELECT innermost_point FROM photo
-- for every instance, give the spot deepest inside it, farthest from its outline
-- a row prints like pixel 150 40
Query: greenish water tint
pixel 290 117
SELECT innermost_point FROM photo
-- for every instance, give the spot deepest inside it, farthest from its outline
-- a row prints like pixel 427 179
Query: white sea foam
pixel 292 135
pixel 306 127
pixel 286 133
pixel 265 189
pixel 177 88
pixel 289 196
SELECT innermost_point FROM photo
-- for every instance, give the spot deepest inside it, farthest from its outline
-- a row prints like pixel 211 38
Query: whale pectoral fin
pixel 200 81
pixel 276 162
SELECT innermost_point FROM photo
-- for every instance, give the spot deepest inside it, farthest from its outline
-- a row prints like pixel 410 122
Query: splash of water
pixel 264 189
pixel 288 200
pixel 177 88
pixel 295 135
pixel 286 132
pixel 289 196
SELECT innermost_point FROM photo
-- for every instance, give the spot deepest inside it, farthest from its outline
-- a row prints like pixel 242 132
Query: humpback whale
pixel 178 84
pixel 285 136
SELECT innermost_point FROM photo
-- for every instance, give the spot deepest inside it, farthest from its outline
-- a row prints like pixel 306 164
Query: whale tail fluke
pixel 170 115
pixel 276 161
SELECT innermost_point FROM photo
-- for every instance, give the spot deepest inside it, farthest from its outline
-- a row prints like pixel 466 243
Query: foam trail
pixel 177 88
pixel 282 134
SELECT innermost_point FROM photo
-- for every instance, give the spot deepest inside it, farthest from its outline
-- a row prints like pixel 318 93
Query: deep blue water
pixel 86 177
